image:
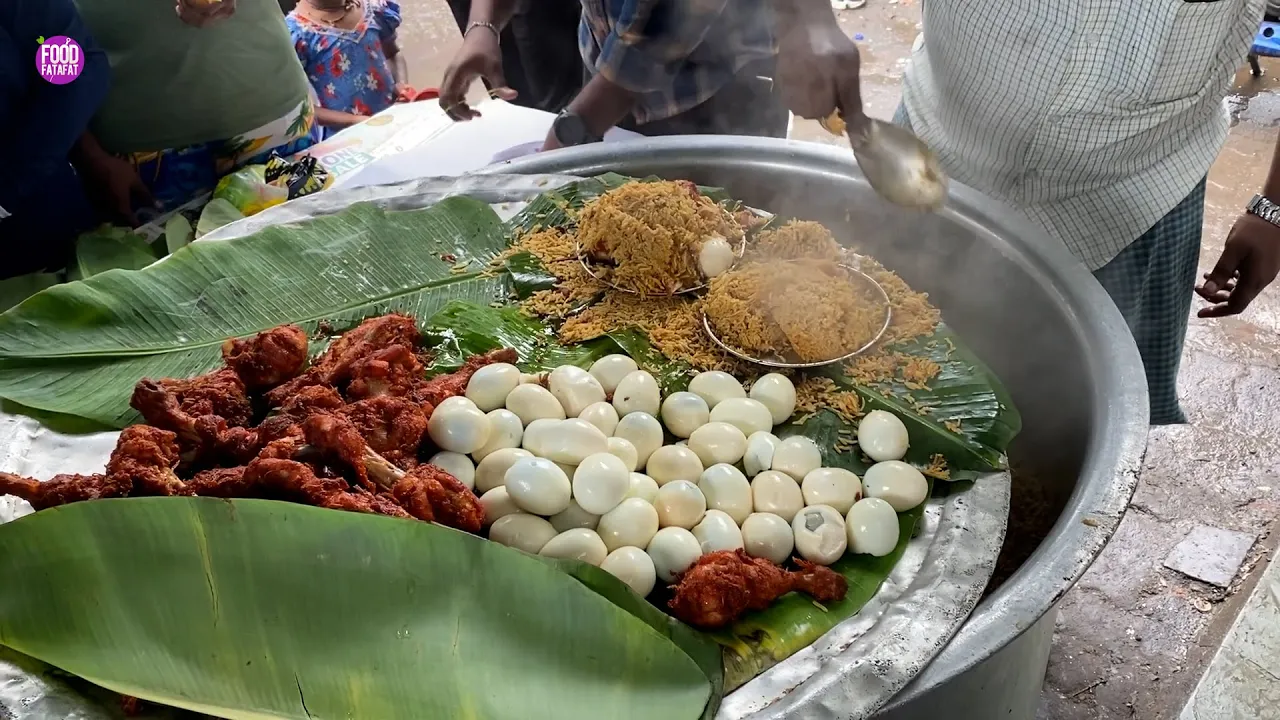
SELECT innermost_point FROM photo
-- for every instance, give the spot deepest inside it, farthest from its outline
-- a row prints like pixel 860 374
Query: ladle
pixel 897 164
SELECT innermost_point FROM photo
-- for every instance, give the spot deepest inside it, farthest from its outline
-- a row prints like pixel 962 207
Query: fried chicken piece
pixel 268 358
pixel 308 400
pixel 63 489
pixel 392 427
pixel 338 437
pixel 428 490
pixel 205 438
pixel 222 483
pixel 292 481
pixel 442 387
pixel 333 367
pixel 169 402
pixel 390 371
pixel 145 457
pixel 723 585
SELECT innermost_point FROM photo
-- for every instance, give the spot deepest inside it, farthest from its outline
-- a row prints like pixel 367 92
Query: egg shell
pixel 776 392
pixel 457 465
pixel 497 503
pixel 537 486
pixel 522 531
pixel 622 449
pixel 459 428
pixel 897 483
pixel 759 455
pixel 684 412
pixel 836 487
pixel 573 440
pixel 538 378
pixel 768 536
pixel 574 517
pixel 673 462
pixel 533 402
pixel 505 431
pixel 883 436
pixel 714 386
pixel 718 442
pixel 576 544
pixel 575 389
pixel 600 482
pixel 632 566
pixel 673 550
pixel 727 490
pixel 610 369
pixel 777 493
pixel 873 527
pixel 489 386
pixel 820 534
pixel 602 415
pixel 680 504
pixel 632 522
pixel 637 392
pixel 749 416
pixel 643 487
pixel 717 531
pixel 715 256
pixel 536 434
pixel 642 430
pixel 797 456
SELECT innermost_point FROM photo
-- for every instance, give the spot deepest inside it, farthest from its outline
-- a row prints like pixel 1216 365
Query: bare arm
pixel 399 66
pixel 337 118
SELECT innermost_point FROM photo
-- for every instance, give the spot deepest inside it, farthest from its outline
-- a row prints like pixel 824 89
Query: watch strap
pixel 1265 209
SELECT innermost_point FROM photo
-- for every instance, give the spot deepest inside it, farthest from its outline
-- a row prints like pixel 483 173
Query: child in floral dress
pixel 349 51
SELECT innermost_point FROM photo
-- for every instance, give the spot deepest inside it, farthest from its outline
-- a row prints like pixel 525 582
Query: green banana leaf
pixel 173 600
pixel 16 289
pixel 79 348
pixel 111 248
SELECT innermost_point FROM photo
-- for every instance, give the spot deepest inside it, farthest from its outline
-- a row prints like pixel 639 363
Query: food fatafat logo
pixel 59 59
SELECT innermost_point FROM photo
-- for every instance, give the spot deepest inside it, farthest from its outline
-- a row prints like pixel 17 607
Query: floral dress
pixel 348 68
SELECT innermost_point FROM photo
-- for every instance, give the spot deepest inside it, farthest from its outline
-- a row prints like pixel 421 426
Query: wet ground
pixel 1133 637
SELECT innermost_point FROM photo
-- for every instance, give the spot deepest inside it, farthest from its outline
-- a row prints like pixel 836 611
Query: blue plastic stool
pixel 1266 44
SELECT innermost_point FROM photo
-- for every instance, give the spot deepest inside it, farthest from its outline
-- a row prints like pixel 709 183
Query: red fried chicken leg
pixel 145 457
pixel 390 371
pixel 63 489
pixel 333 366
pixel 268 358
pixel 442 387
pixel 723 585
pixel 277 479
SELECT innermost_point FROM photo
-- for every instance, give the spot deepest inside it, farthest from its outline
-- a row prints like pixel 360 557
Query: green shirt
pixel 175 85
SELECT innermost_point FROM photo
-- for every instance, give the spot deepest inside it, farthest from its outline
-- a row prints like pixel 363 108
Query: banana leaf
pixel 174 600
pixel 16 289
pixel 556 208
pixel 79 348
pixel 111 248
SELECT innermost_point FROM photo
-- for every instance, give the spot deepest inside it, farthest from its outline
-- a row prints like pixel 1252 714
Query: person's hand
pixel 479 57
pixel 116 184
pixel 199 13
pixel 404 93
pixel 551 142
pixel 1250 261
pixel 817 71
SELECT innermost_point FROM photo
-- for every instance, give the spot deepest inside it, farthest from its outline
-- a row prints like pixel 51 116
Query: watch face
pixel 570 130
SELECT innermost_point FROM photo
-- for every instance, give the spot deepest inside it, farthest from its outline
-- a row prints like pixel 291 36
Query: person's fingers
pixel 1228 264
pixel 505 93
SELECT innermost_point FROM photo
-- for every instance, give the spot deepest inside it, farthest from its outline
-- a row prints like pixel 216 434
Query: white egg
pixel 538 378
pixel 797 456
pixel 680 504
pixel 717 531
pixel 778 393
pixel 718 442
pixel 534 402
pixel 883 436
pixel 456 401
pixel 575 388
pixel 610 370
pixel 749 416
pixel 536 435
pixel 777 493
pixel 714 386
pixel 760 449
pixel 836 487
pixel 576 544
pixel 489 386
pixel 600 483
pixel 673 550
pixel 873 527
pixel 820 534
pixel 715 256
pixel 768 536
pixel 459 428
pixel 637 392
pixel 573 440
pixel 897 483
pixel 457 465
pixel 602 415
pixel 684 412
pixel 497 503
pixel 632 566
pixel 727 490
pixel 642 430
pixel 672 462
pixel 537 486
pixel 624 451
pixel 643 487
pixel 522 531
pixel 574 517
pixel 505 431
pixel 632 522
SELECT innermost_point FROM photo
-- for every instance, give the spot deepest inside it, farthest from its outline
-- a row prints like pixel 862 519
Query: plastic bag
pixel 254 188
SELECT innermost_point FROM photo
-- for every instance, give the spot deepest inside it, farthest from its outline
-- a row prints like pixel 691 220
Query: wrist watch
pixel 1264 209
pixel 570 130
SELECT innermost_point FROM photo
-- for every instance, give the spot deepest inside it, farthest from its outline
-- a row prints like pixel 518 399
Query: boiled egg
pixel 836 487
pixel 576 544
pixel 820 534
pixel 684 412
pixel 538 486
pixel 897 483
pixel 497 503
pixel 673 462
pixel 457 465
pixel 600 482
pixel 776 392
pixel 717 531
pixel 759 455
pixel 797 456
pixel 718 442
pixel 680 504
pixel 632 566
pixel 489 386
pixel 715 256
pixel 873 527
pixel 642 430
pixel 574 517
pixel 522 531
pixel 765 535
pixel 749 416
pixel 575 389
pixel 534 402
pixel 460 428
pixel 883 436
pixel 777 493
pixel 602 415
pixel 572 440
pixel 632 522
pixel 727 490
pixel 637 392
pixel 714 386
pixel 505 431
pixel 610 370
pixel 673 550
pixel 643 487
pixel 624 451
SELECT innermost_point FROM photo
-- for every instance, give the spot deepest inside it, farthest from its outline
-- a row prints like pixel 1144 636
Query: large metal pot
pixel 1030 311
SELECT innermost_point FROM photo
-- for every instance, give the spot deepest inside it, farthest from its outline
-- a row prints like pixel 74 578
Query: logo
pixel 59 59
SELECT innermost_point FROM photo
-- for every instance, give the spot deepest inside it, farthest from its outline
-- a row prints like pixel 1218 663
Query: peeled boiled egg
pixel 836 487
pixel 643 487
pixel 776 392
pixel 873 527
pixel 684 412
pixel 534 402
pixel 573 440
pixel 882 436
pixel 536 435
pixel 455 401
pixel 537 486
pixel 522 531
pixel 632 566
pixel 459 428
pixel 632 522
pixel 715 256
pixel 718 442
pixel 600 483
pixel 760 449
pixel 714 386
pixel 492 470
pixel 497 503
pixel 820 534
pixel 637 392
pixel 680 504
pixel 797 456
pixel 777 493
pixel 505 431
pixel 624 451
pixel 602 415
pixel 727 490
pixel 489 386
pixel 749 416
pixel 610 370
pixel 673 550
pixel 576 544
pixel 575 388
pixel 673 462
pixel 457 465
pixel 574 517
pixel 768 536
pixel 717 531
pixel 897 483
pixel 642 430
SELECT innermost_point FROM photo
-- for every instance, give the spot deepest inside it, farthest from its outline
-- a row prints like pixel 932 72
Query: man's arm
pixel 479 57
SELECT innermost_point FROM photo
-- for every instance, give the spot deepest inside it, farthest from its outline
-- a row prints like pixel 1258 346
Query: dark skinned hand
pixel 200 13
pixel 117 187
pixel 817 72
pixel 1250 261
pixel 480 57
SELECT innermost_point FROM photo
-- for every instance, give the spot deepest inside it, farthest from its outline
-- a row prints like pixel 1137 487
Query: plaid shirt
pixel 675 54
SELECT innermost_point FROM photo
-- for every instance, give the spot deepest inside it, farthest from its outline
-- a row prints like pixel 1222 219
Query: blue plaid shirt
pixel 675 54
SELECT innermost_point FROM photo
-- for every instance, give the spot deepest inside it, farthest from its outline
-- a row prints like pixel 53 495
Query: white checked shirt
pixel 1095 117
